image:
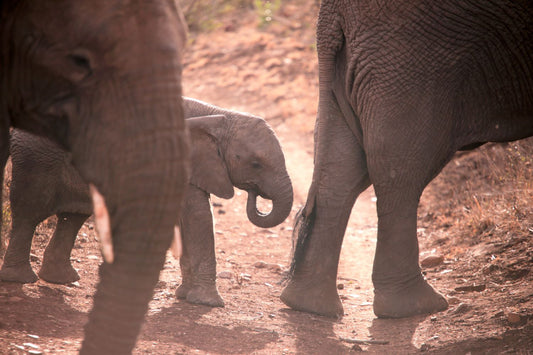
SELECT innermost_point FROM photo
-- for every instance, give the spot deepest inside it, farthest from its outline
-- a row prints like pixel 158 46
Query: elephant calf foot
pixel 206 295
pixel 22 273
pixel 316 299
pixel 419 298
pixel 58 273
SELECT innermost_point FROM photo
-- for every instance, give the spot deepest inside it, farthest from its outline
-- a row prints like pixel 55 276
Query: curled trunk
pixel 281 207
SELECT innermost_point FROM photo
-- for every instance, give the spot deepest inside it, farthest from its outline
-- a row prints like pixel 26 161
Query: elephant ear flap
pixel 209 171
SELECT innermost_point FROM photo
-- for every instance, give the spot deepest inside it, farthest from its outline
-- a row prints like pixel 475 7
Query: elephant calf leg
pixel 198 289
pixel 198 262
pixel 56 267
pixel 16 266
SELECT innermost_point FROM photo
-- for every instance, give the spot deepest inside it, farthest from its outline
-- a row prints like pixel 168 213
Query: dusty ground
pixel 477 216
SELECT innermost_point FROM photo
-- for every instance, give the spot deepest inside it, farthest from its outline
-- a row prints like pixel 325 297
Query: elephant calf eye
pixel 81 62
pixel 256 165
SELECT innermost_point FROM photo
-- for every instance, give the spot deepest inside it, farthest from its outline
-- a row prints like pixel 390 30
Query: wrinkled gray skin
pixel 101 78
pixel 229 149
pixel 403 86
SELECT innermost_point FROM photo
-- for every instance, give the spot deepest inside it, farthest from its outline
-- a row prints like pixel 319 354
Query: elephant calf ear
pixel 209 171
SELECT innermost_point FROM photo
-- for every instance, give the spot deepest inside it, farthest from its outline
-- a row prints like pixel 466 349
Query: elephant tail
pixel 303 225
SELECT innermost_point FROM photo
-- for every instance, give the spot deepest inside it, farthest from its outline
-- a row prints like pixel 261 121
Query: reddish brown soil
pixel 477 215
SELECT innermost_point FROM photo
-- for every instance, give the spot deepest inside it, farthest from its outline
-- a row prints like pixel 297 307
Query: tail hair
pixel 303 225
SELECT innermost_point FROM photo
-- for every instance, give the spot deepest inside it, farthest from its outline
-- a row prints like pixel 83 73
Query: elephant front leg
pixel 56 266
pixel 16 266
pixel 339 176
pixel 198 262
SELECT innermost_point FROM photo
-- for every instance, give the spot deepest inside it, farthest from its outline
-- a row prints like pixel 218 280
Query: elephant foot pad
pixel 318 300
pixel 22 273
pixel 207 296
pixel 59 275
pixel 418 299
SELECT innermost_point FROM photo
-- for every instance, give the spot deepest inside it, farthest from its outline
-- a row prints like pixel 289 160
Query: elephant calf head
pixel 238 149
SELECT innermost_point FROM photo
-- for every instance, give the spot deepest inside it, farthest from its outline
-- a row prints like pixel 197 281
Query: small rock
pixel 498 314
pixel 453 300
pixel 462 308
pixel 260 264
pixel 34 258
pixel 433 318
pixel 513 317
pixel 432 261
pixel 225 275
pixel 35 352
pixel 340 287
pixel 31 345
pixel 274 267
pixel 356 347
pixel 221 212
pixel 471 288
pixel 33 336
pixel 424 347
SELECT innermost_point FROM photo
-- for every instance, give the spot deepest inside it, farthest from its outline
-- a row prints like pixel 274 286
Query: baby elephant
pixel 229 149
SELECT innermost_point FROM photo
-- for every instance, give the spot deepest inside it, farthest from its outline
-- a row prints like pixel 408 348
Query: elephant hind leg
pixel 401 165
pixel 400 289
pixel 56 267
pixel 339 176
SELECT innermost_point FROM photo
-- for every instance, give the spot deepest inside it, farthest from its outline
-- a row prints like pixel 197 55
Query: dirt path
pixel 273 73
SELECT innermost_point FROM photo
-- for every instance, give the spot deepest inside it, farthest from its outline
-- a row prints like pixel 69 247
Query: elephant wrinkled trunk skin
pixel 151 177
pixel 281 208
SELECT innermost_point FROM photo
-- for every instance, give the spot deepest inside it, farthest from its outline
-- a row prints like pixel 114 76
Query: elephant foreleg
pixel 340 175
pixel 16 266
pixel 198 262
pixel 56 267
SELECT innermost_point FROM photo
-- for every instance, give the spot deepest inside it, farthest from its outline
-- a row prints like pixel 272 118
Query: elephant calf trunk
pixel 281 208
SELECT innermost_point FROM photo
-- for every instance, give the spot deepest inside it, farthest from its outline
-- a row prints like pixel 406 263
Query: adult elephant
pixel 102 78
pixel 403 85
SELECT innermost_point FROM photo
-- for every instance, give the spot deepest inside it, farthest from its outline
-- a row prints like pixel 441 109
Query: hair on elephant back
pixel 101 79
pixel 403 85
pixel 45 183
